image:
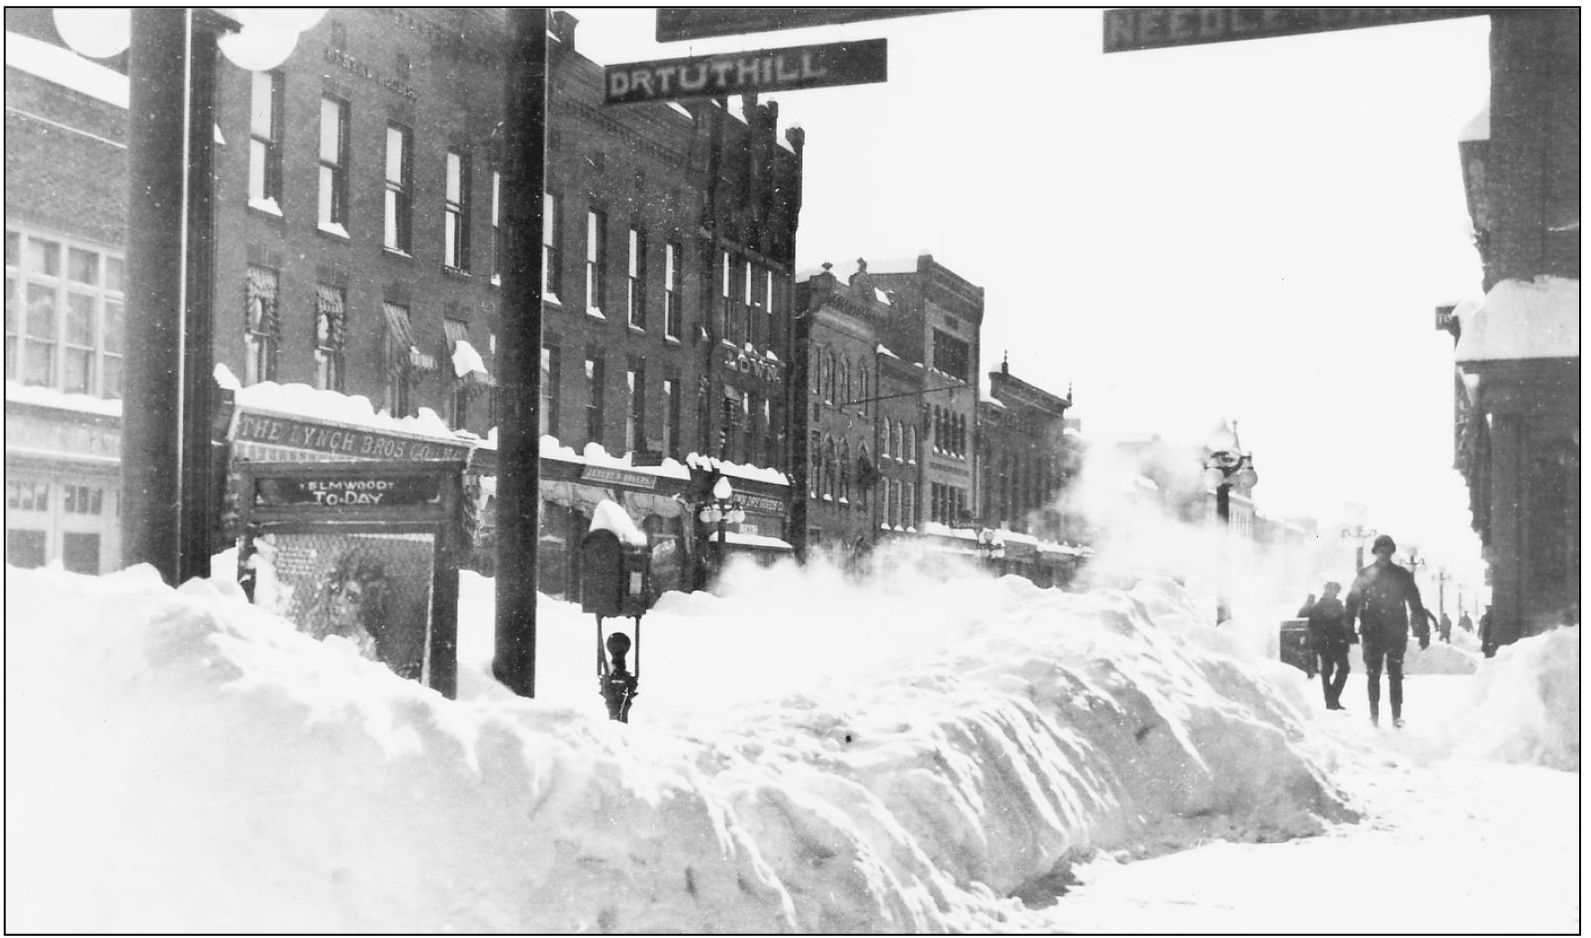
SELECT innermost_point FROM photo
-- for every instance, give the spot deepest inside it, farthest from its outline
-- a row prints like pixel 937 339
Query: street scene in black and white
pixel 766 470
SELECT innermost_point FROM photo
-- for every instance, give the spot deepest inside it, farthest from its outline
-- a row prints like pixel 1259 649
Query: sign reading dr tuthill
pixel 711 76
pixel 1134 29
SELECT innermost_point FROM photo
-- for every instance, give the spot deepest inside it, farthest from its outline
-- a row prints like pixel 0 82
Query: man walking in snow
pixel 1330 634
pixel 1384 600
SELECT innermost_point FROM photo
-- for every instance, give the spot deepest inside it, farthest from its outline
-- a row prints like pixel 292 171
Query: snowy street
pixel 1446 846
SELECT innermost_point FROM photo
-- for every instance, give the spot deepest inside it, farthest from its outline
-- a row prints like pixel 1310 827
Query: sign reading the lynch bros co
pixel 734 73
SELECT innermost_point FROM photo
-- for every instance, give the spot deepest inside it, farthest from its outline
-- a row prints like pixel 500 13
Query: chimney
pixel 562 27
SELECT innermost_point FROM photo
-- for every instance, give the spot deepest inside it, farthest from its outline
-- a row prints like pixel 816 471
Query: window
pixel 400 187
pixel 551 378
pixel 951 355
pixel 596 260
pixel 332 215
pixel 63 326
pixel 635 293
pixel 330 325
pixel 399 354
pixel 815 371
pixel 456 331
pixel 265 142
pixel 842 382
pixel 883 499
pixel 551 238
pixel 828 375
pixel 594 381
pixel 671 297
pixel 456 212
pixel 747 311
pixel 830 458
pixel 845 471
pixel 909 505
pixel 262 330
pixel 725 293
pixel 861 388
pixel 635 426
pixel 497 227
pixel 671 417
pixel 911 445
pixel 883 443
pixel 815 458
pixel 897 443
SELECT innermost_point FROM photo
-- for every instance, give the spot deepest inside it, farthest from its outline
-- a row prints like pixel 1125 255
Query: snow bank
pixel 808 753
pixel 1524 706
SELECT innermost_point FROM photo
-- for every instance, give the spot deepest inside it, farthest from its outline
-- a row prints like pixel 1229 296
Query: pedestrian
pixel 1445 628
pixel 1330 635
pixel 1465 622
pixel 1309 603
pixel 1384 600
pixel 1488 648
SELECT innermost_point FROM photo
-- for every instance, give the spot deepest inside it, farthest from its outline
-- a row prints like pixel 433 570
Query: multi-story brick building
pixel 1022 454
pixel 358 206
pixel 1518 351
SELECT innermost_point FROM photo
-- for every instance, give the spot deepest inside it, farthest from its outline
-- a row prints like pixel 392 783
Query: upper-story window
pixel 595 381
pixel 747 300
pixel 952 356
pixel 726 294
pixel 596 260
pixel 551 253
pixel 672 305
pixel 261 323
pixel 551 380
pixel 64 307
pixel 399 214
pixel 497 227
pixel 635 278
pixel 911 445
pixel 265 142
pixel 332 214
pixel 330 324
pixel 456 212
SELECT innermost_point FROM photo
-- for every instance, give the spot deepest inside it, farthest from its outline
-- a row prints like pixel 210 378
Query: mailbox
pixel 615 578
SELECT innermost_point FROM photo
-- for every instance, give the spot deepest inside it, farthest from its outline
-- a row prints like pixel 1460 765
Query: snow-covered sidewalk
pixel 1447 845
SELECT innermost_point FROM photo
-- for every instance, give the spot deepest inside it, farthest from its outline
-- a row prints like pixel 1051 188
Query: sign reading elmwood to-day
pixel 1134 29
pixel 733 73
pixel 337 490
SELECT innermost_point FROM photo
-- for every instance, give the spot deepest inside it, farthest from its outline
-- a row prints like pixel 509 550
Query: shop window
pixel 63 315
pixel 80 552
pixel 25 547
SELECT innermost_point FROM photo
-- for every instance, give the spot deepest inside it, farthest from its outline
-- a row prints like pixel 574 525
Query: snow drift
pixel 807 754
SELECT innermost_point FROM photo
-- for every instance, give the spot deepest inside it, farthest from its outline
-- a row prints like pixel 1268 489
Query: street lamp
pixel 1225 465
pixel 723 511
pixel 1358 533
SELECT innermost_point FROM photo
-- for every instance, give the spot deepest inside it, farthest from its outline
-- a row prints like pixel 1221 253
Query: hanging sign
pixel 735 73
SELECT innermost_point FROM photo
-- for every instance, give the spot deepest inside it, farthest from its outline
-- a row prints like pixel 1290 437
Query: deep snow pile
pixel 806 753
pixel 1525 704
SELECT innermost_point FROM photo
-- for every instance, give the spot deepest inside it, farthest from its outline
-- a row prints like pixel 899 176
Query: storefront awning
pixel 1522 319
pixel 402 338
pixel 756 541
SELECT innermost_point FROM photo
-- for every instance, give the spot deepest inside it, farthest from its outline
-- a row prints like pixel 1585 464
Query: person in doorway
pixel 1330 635
pixel 1444 628
pixel 1385 600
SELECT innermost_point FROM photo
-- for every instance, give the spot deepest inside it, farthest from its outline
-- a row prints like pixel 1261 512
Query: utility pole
pixel 519 426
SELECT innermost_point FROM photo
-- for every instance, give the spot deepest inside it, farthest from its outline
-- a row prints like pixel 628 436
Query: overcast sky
pixel 1252 230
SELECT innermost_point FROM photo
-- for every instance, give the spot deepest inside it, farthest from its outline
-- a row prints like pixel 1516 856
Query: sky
pixel 926 749
pixel 1253 231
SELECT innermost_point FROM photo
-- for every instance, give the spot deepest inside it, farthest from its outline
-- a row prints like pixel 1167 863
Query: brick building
pixel 357 200
pixel 1517 352
pixel 1023 453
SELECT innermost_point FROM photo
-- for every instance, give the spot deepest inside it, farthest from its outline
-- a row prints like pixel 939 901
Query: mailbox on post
pixel 616 580
pixel 365 551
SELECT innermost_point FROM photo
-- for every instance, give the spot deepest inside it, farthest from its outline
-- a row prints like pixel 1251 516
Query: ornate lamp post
pixel 1358 533
pixel 1442 576
pixel 723 511
pixel 1225 465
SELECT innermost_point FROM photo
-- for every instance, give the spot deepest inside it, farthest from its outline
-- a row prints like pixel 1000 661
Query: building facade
pixel 359 249
pixel 1517 352
pixel 1024 451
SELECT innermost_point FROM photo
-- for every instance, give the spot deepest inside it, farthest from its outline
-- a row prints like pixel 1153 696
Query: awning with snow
pixel 469 369
pixel 1522 319
pixel 406 350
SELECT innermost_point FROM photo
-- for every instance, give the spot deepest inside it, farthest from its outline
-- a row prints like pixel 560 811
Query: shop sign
pixel 343 442
pixel 611 476
pixel 1133 29
pixel 766 70
pixel 754 365
pixel 761 503
pixel 338 491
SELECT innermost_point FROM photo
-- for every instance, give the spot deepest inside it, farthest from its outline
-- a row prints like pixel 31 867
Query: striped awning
pixel 401 336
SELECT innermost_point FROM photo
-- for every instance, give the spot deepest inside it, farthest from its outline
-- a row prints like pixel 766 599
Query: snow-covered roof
pixel 305 401
pixel 756 540
pixel 69 70
pixel 1519 319
pixel 1479 127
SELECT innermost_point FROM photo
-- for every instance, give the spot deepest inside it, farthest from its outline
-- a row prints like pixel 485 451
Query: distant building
pixel 1517 352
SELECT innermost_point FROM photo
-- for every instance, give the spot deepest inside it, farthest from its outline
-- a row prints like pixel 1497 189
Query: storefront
pixel 63 480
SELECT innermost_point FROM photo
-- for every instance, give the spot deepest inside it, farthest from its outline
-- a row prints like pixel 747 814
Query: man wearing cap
pixel 1330 634
pixel 1385 600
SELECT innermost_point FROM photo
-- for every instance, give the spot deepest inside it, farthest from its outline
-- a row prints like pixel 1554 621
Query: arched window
pixel 862 493
pixel 909 513
pixel 883 500
pixel 829 459
pixel 815 370
pixel 845 471
pixel 861 387
pixel 911 445
pixel 895 442
pixel 815 473
pixel 842 382
pixel 828 375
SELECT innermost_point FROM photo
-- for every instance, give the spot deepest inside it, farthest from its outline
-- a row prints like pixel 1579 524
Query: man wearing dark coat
pixel 1384 600
pixel 1330 635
